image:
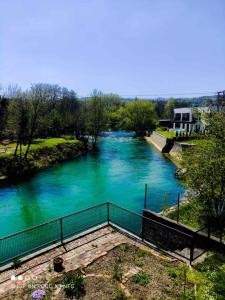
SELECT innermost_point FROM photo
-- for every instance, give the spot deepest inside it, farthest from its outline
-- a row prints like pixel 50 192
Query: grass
pixel 37 144
pixel 141 278
pixel 166 134
pixel 189 214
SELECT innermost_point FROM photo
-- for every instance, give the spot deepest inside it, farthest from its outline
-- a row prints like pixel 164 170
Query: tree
pixel 96 116
pixel 138 116
pixel 3 115
pixel 205 176
pixel 36 99
pixel 18 121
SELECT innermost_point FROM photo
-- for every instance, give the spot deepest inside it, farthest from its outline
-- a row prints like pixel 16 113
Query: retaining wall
pixel 162 143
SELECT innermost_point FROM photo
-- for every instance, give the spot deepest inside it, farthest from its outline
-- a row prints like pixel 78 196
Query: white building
pixel 189 119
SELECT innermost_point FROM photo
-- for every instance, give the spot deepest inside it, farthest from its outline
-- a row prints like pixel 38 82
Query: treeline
pixel 47 110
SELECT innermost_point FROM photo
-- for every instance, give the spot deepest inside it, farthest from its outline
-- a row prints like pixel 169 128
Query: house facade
pixel 189 119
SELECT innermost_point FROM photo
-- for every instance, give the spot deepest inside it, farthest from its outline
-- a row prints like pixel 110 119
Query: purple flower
pixel 38 294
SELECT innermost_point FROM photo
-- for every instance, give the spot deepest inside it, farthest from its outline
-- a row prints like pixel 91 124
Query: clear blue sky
pixel 122 46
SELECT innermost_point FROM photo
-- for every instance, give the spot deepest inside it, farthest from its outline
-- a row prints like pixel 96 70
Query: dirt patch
pixel 137 272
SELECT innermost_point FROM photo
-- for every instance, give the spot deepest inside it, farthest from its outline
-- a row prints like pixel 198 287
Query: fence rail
pixel 36 238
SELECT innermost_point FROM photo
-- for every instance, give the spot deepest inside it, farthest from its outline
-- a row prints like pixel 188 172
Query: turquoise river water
pixel 117 173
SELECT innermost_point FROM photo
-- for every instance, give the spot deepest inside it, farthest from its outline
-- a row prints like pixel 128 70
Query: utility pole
pixel 220 100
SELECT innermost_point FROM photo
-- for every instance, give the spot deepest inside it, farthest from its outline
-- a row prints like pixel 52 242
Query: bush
pixel 139 262
pixel 74 285
pixel 120 295
pixel 117 272
pixel 172 272
pixel 141 278
pixel 122 247
pixel 16 263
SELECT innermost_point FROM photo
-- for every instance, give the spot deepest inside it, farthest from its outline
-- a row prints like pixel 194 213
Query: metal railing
pixel 41 236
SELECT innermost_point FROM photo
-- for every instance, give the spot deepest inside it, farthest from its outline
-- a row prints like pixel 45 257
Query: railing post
pixel 178 207
pixel 61 231
pixel 192 250
pixel 145 203
pixel 108 212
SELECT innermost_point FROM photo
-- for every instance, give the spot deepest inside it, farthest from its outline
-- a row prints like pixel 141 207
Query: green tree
pixel 96 116
pixel 18 121
pixel 205 176
pixel 3 115
pixel 138 116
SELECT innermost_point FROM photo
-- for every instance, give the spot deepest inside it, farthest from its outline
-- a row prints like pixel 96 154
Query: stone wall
pixel 173 236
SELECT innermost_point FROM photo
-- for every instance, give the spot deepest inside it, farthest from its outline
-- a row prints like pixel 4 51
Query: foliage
pixel 122 247
pixel 117 272
pixel 205 165
pixel 141 278
pixel 172 272
pixel 138 116
pixel 16 263
pixel 139 262
pixel 190 214
pixel 74 285
pixel 120 295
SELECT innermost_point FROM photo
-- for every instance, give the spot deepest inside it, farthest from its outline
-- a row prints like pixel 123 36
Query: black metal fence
pixel 36 238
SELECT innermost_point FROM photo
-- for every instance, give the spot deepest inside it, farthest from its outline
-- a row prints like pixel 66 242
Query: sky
pixel 128 47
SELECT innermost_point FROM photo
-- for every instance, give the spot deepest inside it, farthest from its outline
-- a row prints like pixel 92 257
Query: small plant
pixel 94 245
pixel 172 272
pixel 74 285
pixel 120 295
pixel 49 268
pixel 141 278
pixel 38 295
pixel 16 263
pixel 166 262
pixel 122 247
pixel 141 252
pixel 139 262
pixel 117 272
pixel 187 295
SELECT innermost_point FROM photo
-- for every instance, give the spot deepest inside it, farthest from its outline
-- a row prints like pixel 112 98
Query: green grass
pixel 189 215
pixel 37 144
pixel 166 134
pixel 199 142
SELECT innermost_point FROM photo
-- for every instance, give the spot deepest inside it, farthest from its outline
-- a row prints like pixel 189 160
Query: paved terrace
pixel 76 254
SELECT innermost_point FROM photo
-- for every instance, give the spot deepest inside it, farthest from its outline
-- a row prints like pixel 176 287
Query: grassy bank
pixel 166 134
pixel 8 150
pixel 43 153
pixel 188 214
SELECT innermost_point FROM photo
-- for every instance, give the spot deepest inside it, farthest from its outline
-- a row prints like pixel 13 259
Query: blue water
pixel 117 173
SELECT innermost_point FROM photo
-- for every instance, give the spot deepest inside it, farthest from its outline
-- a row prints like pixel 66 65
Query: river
pixel 117 173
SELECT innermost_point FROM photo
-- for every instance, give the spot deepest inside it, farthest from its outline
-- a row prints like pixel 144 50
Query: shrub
pixel 117 272
pixel 141 278
pixel 120 295
pixel 122 247
pixel 16 263
pixel 142 252
pixel 172 272
pixel 74 285
pixel 139 262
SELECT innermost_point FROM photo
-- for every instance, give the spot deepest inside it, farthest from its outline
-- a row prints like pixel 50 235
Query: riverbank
pixel 43 154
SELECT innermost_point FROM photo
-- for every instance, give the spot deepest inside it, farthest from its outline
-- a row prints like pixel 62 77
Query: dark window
pixel 177 117
pixel 186 117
